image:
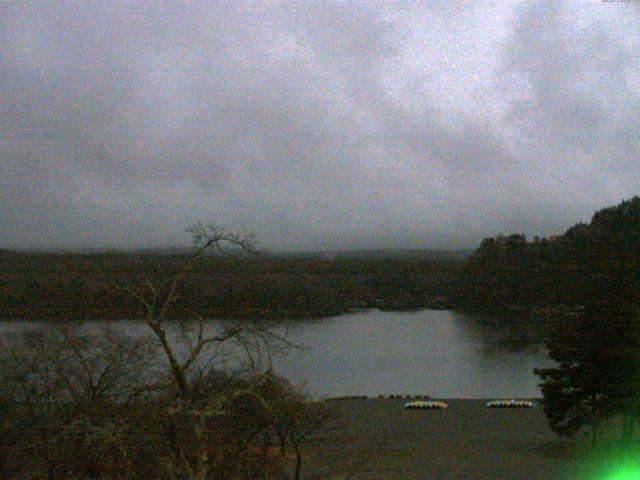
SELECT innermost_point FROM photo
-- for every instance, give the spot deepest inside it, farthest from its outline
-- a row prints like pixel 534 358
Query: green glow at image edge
pixel 622 469
pixel 607 464
pixel 625 472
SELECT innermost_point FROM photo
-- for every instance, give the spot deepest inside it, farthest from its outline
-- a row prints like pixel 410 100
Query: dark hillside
pixel 82 286
pixel 599 261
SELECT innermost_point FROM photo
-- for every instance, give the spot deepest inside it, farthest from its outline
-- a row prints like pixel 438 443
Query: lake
pixel 439 353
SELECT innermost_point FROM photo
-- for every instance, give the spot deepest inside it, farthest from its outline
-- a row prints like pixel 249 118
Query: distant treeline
pixel 84 286
pixel 591 263
pixel 595 262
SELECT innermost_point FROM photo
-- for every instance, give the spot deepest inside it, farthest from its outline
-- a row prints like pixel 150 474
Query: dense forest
pixel 595 262
pixel 84 286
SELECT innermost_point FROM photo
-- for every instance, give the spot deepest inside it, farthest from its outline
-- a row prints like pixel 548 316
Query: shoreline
pixel 467 440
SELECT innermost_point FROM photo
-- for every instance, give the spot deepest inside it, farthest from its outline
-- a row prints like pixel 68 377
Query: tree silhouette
pixel 598 372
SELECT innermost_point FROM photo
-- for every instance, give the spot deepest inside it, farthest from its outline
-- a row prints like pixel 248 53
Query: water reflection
pixel 439 353
pixel 506 331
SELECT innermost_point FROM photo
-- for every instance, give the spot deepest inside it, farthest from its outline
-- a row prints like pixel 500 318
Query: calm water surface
pixel 438 353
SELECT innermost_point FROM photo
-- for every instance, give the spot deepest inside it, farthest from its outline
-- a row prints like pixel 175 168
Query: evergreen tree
pixel 589 262
pixel 598 371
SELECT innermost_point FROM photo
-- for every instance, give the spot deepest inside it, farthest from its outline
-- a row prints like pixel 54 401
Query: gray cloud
pixel 314 124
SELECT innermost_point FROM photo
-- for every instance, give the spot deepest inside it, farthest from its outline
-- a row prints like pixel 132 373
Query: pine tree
pixel 598 371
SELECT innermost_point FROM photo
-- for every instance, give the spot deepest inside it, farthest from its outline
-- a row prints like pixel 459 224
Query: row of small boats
pixel 423 402
pixel 438 405
pixel 391 397
pixel 510 404
pixel 426 405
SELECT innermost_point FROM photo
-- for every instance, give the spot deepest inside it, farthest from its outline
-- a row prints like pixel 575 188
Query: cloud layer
pixel 317 125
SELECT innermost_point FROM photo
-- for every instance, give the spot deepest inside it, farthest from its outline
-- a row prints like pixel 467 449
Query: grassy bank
pixel 465 441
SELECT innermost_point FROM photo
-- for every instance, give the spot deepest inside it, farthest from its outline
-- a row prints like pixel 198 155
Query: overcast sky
pixel 317 125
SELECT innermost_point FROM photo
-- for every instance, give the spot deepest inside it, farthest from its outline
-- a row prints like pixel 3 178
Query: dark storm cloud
pixel 314 124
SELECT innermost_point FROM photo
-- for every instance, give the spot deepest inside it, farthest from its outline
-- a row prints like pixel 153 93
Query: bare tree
pixel 167 405
pixel 187 370
pixel 64 392
pixel 157 302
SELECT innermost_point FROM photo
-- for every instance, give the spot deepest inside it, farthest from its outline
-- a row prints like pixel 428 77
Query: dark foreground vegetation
pixel 77 406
